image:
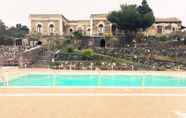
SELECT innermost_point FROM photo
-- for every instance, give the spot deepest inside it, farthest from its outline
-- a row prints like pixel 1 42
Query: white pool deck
pixel 10 72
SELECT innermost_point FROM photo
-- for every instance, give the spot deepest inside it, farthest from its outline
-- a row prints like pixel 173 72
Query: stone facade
pixel 79 25
pixel 56 24
pixel 99 25
pixel 163 26
pixel 47 24
pixel 96 26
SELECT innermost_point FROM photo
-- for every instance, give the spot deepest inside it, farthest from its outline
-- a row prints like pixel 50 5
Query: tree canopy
pixel 18 31
pixel 77 34
pixel 133 17
pixel 87 52
pixel 2 29
pixel 8 34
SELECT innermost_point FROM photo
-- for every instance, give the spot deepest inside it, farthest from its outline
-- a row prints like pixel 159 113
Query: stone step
pixel 44 59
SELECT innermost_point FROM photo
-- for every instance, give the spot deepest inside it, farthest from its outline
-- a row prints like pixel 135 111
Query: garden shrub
pixel 87 52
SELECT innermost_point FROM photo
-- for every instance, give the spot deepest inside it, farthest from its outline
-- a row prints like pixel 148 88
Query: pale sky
pixel 17 11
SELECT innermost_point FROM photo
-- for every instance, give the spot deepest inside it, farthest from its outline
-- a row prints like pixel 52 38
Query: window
pixel 168 27
pixel 71 30
pixel 51 28
pixel 88 32
pixel 101 28
pixel 39 28
pixel 159 29
pixel 173 29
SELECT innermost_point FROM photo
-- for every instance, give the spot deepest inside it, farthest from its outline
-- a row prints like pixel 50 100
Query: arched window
pixel 71 30
pixel 159 29
pixel 51 28
pixel 88 32
pixel 173 29
pixel 101 28
pixel 39 28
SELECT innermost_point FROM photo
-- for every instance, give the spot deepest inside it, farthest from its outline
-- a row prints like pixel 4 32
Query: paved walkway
pixel 92 107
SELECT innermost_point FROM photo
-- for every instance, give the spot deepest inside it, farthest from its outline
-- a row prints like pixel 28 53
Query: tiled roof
pixel 45 15
pixel 171 19
pixel 75 21
pixel 158 20
pixel 48 15
pixel 98 15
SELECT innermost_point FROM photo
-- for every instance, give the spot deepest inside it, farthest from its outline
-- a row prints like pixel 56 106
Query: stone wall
pixel 1 61
pixel 30 56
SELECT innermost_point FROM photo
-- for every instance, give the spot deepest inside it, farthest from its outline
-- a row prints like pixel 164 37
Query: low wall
pixel 30 56
pixel 1 61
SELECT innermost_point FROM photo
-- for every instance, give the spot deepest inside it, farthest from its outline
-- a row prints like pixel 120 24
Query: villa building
pixel 96 26
pixel 164 26
pixel 57 24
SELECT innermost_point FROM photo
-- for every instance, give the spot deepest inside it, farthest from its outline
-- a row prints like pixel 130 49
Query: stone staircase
pixel 44 58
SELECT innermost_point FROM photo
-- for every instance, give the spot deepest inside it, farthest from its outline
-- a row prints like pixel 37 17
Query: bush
pixel 87 53
pixel 67 41
pixel 163 38
pixel 70 50
pixel 54 65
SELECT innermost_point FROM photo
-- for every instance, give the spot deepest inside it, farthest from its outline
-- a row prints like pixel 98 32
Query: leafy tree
pixel 146 14
pixel 132 18
pixel 67 41
pixel 4 38
pixel 2 30
pixel 144 8
pixel 7 35
pixel 77 34
pixel 19 31
pixel 128 18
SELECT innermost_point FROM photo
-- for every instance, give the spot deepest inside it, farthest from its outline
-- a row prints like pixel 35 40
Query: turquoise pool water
pixel 45 80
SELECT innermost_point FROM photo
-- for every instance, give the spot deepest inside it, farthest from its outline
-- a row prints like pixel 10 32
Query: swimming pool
pixel 49 80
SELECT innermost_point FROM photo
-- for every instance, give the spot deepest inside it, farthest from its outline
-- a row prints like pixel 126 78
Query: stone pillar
pixel 91 27
pixel 61 25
